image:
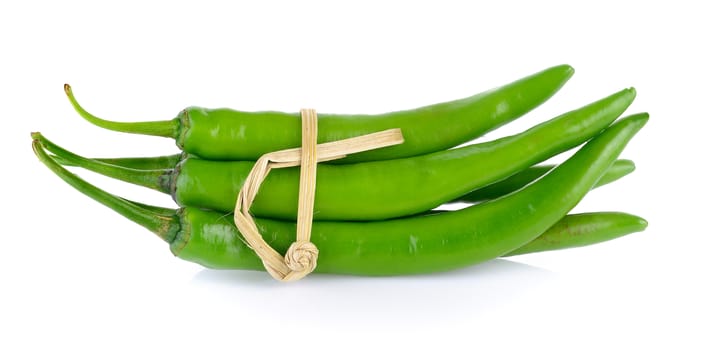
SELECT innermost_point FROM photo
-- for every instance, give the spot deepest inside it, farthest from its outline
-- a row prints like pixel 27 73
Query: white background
pixel 76 275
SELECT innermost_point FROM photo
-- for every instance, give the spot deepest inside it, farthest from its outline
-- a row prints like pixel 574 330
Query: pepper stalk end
pixel 163 128
pixel 164 222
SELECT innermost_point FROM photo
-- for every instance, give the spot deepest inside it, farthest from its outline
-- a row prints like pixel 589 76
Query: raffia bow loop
pixel 301 257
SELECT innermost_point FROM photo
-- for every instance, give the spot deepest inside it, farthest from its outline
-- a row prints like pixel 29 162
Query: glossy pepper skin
pixel 226 134
pixel 377 190
pixel 403 246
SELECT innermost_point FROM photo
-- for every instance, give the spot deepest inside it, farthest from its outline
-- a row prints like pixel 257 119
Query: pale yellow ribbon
pixel 301 257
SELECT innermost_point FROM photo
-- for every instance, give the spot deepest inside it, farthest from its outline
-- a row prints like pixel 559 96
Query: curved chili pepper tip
pixel 569 69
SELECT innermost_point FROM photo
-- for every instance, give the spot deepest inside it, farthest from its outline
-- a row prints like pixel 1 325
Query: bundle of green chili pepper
pixel 374 210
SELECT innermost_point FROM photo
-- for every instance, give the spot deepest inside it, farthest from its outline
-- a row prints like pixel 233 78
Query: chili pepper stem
pixel 155 179
pixel 162 221
pixel 164 128
pixel 141 163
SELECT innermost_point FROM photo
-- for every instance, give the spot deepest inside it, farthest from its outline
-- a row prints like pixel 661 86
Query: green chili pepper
pixel 226 134
pixel 619 169
pixel 580 230
pixel 368 191
pixel 402 246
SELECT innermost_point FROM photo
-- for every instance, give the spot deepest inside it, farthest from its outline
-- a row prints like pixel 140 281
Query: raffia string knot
pixel 301 257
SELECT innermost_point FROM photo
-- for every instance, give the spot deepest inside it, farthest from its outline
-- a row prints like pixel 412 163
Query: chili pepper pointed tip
pixel 560 73
pixel 641 119
pixel 626 164
pixel 569 70
pixel 628 95
pixel 67 89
